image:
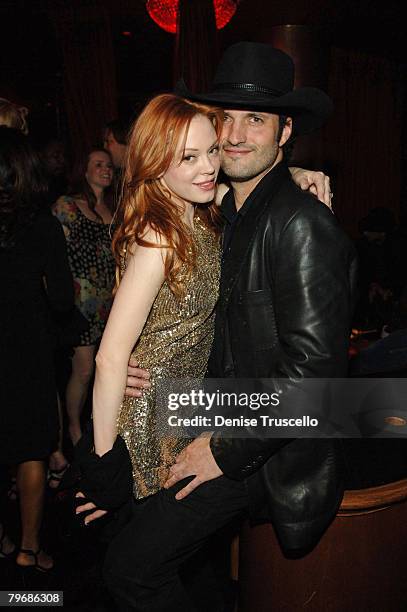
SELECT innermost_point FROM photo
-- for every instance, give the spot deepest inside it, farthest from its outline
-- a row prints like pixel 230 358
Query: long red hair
pixel 145 202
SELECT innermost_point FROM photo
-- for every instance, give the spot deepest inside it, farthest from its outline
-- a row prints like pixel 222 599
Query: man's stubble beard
pixel 240 170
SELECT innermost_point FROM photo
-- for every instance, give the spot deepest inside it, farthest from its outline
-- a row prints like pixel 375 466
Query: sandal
pixel 56 476
pixel 3 554
pixel 36 565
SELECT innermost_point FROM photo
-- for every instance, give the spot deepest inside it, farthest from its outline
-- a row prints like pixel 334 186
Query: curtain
pixel 90 93
pixel 196 48
pixel 363 138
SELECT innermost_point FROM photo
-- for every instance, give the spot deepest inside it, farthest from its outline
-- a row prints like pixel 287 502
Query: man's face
pixel 116 150
pixel 250 144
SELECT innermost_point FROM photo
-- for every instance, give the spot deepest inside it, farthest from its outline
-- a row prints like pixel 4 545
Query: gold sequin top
pixel 174 344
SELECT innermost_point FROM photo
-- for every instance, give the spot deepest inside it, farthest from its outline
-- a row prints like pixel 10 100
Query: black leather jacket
pixel 285 312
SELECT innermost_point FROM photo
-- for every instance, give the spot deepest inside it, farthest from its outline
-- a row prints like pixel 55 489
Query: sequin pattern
pixel 175 343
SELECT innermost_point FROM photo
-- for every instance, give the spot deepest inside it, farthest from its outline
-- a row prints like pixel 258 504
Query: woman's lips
pixel 206 186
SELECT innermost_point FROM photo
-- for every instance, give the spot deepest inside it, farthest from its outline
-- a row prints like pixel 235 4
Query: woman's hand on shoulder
pixel 314 181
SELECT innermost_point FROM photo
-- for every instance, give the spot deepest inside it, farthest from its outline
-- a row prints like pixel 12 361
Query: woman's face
pixel 99 172
pixel 192 175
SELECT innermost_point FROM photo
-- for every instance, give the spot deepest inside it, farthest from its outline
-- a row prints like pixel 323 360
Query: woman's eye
pixel 188 158
pixel 214 150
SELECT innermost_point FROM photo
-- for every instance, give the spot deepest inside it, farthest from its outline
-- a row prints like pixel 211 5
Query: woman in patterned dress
pixel 86 217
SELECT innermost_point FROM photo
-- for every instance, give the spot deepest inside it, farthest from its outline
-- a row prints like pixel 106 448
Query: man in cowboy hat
pixel 284 312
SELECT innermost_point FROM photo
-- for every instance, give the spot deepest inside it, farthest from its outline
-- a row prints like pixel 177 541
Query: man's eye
pixel 256 119
pixel 226 118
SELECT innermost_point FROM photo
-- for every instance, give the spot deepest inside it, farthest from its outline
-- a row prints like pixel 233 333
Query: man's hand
pixel 89 506
pixel 316 182
pixel 195 460
pixel 137 379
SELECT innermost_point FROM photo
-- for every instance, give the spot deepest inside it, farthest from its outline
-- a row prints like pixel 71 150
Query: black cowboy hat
pixel 256 76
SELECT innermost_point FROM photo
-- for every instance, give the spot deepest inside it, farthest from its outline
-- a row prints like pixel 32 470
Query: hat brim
pixel 309 107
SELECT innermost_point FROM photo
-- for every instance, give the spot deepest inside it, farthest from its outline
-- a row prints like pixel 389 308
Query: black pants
pixel 144 562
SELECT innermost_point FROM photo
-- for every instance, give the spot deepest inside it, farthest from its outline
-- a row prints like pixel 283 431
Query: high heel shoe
pixel 36 565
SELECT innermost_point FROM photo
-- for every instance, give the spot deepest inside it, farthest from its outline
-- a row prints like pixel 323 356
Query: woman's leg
pixel 83 363
pixel 31 477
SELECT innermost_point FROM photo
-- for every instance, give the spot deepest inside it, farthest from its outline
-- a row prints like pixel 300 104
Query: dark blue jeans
pixel 145 562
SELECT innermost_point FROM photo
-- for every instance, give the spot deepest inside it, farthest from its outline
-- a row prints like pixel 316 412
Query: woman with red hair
pixel 167 251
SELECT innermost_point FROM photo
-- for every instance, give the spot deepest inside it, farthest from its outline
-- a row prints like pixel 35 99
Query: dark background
pixel 358 56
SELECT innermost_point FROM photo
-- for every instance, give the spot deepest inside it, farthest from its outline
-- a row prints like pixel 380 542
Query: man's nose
pixel 235 133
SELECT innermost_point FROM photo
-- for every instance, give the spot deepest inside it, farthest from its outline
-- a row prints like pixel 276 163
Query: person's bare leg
pixel 57 460
pixel 31 488
pixel 83 363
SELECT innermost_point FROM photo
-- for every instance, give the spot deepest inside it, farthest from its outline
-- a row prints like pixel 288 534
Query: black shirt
pixel 232 218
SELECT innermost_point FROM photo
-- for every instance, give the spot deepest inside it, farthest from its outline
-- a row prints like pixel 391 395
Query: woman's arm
pixel 133 301
pixel 315 181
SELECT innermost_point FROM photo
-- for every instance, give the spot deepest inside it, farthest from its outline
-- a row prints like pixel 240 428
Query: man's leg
pixel 143 562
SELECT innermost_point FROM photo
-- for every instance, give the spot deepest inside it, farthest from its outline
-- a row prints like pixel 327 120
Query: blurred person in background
pixel 382 255
pixel 35 278
pixel 53 156
pixel 115 141
pixel 86 217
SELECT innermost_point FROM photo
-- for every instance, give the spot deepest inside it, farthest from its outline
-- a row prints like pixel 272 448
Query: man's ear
pixel 286 133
